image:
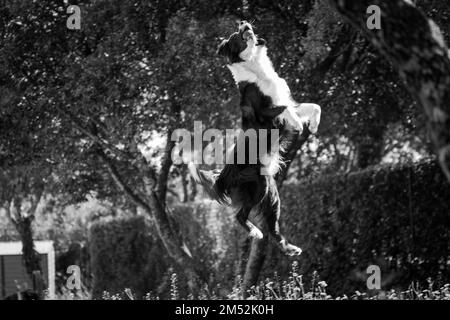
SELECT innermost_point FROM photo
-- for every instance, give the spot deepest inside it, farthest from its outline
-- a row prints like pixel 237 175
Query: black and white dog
pixel 266 103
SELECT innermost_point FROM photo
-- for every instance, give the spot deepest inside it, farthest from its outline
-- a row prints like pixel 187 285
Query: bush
pixel 125 255
pixel 211 233
pixel 394 217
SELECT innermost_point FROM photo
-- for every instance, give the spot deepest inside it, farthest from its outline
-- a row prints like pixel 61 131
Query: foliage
pixel 139 69
pixel 392 216
pixel 123 254
pixel 384 215
pixel 291 288
pixel 135 65
pixel 204 226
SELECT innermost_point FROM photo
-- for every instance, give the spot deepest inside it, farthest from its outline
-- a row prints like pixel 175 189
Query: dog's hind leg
pixel 286 247
pixel 272 209
pixel 242 218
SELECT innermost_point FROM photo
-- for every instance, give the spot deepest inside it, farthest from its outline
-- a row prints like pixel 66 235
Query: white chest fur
pixel 259 70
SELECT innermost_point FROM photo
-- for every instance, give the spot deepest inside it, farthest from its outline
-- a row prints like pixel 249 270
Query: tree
pixel 97 97
pixel 21 190
pixel 420 56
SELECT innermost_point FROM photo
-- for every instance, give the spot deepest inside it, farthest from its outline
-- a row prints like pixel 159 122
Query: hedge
pixel 397 217
pixel 125 255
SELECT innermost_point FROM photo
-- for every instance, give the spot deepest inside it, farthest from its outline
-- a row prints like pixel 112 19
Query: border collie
pixel 266 102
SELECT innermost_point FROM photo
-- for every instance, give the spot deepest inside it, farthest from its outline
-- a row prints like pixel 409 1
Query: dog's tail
pixel 209 180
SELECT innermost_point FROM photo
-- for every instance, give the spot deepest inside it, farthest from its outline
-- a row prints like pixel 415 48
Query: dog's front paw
pixel 256 233
pixel 309 113
pixel 291 120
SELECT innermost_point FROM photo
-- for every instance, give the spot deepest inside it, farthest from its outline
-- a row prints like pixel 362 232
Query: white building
pixel 12 270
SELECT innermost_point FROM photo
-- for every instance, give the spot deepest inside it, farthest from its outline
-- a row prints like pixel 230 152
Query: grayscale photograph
pixel 218 157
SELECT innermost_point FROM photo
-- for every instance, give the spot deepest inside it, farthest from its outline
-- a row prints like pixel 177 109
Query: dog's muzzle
pixel 247 35
pixel 246 30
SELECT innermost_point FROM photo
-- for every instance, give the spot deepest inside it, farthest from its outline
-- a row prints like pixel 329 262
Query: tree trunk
pixel 416 48
pixel 30 257
pixel 24 184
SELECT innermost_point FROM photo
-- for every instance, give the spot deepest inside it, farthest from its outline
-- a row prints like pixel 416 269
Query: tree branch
pixel 119 181
pixel 166 164
pixel 36 200
pixel 94 137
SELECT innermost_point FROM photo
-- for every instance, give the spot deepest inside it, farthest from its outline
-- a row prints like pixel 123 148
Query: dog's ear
pixel 224 48
pixel 261 42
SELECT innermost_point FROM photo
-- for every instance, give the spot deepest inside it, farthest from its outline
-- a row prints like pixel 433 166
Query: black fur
pixel 232 47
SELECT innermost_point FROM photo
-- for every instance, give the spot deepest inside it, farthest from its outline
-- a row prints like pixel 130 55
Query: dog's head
pixel 241 45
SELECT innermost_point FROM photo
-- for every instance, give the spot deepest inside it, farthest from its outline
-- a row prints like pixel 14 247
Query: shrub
pixel 211 233
pixel 396 217
pixel 124 254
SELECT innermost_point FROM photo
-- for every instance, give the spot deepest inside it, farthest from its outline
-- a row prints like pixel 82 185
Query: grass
pixel 293 288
